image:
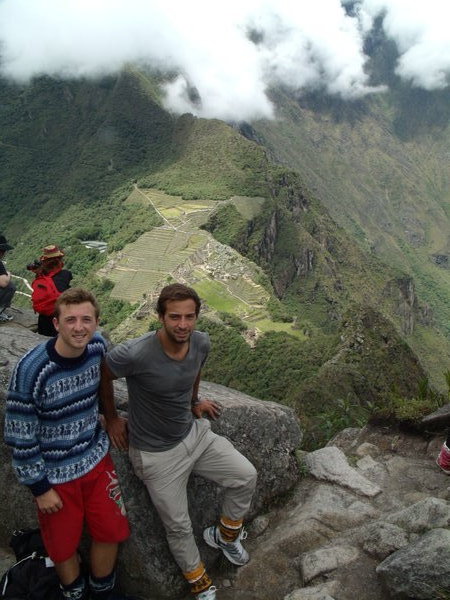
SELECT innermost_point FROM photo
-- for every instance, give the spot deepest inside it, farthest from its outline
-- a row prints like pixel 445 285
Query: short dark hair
pixel 176 291
pixel 76 296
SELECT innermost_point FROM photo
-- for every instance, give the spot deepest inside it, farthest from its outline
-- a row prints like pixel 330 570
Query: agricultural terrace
pixel 224 280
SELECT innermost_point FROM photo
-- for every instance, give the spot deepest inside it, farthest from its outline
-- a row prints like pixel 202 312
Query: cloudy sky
pixel 230 51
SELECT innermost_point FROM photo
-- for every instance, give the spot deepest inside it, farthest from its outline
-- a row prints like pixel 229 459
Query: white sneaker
pixel 4 318
pixel 209 594
pixel 234 551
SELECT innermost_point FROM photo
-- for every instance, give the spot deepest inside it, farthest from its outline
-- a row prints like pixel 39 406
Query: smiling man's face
pixel 179 320
pixel 75 325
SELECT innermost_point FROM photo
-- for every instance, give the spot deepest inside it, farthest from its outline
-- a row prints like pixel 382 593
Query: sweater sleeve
pixel 21 434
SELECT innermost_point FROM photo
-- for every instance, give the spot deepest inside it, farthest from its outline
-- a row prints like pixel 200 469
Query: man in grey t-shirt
pixel 169 439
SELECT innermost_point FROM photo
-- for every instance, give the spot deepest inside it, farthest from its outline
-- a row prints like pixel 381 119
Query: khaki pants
pixel 165 475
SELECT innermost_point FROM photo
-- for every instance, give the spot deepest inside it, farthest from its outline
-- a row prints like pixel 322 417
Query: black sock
pixel 101 587
pixel 77 590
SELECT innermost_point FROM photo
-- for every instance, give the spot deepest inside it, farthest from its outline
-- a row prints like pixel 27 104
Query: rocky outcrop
pixel 441 260
pixel 370 520
pixel 420 569
pixel 265 432
pixel 370 363
pixel 402 292
pixel 22 318
pixel 330 464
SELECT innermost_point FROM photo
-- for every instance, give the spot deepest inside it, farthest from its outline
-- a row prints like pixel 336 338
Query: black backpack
pixel 33 576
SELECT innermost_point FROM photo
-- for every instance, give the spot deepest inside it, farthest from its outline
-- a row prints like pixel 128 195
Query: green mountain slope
pixel 381 166
pixel 192 199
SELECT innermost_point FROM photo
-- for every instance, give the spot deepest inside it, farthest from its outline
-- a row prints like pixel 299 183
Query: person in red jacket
pixel 52 265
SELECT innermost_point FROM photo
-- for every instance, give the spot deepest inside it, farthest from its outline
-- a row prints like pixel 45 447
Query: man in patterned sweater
pixel 60 451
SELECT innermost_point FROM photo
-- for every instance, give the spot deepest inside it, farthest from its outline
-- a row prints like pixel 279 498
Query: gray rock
pixel 323 591
pixel 325 560
pixel 334 509
pixel 21 318
pixel 371 468
pixel 438 420
pixel 258 526
pixel 330 464
pixel 302 595
pixel 426 514
pixel 265 432
pixel 7 559
pixel 367 449
pixel 322 514
pixel 420 570
pixel 382 539
pixel 14 342
pixel 347 439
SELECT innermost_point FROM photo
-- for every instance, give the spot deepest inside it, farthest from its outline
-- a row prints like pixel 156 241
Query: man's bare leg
pixel 103 558
pixel 68 570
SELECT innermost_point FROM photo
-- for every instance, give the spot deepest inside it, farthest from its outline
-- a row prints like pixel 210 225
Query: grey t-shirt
pixel 159 388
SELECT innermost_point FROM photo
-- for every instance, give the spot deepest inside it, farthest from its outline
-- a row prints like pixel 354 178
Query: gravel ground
pixel 7 559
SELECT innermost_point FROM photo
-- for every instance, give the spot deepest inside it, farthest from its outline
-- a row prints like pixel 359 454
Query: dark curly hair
pixel 176 291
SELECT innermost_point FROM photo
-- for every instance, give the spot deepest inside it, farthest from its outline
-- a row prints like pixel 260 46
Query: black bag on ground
pixel 33 576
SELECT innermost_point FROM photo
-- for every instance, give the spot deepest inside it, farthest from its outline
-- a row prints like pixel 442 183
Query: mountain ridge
pixel 314 273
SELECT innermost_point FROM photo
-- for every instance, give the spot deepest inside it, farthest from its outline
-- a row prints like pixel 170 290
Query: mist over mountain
pixel 230 54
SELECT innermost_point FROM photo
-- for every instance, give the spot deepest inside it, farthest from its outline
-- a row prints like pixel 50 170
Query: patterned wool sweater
pixel 52 422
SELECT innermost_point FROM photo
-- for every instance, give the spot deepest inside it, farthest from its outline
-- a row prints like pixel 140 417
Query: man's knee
pixel 246 476
pixel 251 476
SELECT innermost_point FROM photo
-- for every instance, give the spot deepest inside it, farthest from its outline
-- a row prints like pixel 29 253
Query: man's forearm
pixel 115 426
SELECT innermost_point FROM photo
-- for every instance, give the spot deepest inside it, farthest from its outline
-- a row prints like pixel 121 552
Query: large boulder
pixel 266 432
pixel 421 569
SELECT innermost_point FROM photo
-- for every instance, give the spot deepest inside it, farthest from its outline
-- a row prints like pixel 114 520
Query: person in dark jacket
pixel 52 264
pixel 7 288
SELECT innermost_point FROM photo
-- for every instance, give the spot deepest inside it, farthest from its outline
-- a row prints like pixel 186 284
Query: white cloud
pixel 301 43
pixel 421 31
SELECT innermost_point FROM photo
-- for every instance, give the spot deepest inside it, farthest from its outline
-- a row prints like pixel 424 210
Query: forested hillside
pixel 381 165
pixel 298 311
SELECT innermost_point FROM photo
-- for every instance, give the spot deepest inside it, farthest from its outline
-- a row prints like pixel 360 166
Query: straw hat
pixel 51 252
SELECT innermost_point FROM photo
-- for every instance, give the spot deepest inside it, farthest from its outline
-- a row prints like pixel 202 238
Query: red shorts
pixel 96 499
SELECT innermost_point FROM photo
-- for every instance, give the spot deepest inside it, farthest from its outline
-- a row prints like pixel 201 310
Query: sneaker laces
pixel 208 594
